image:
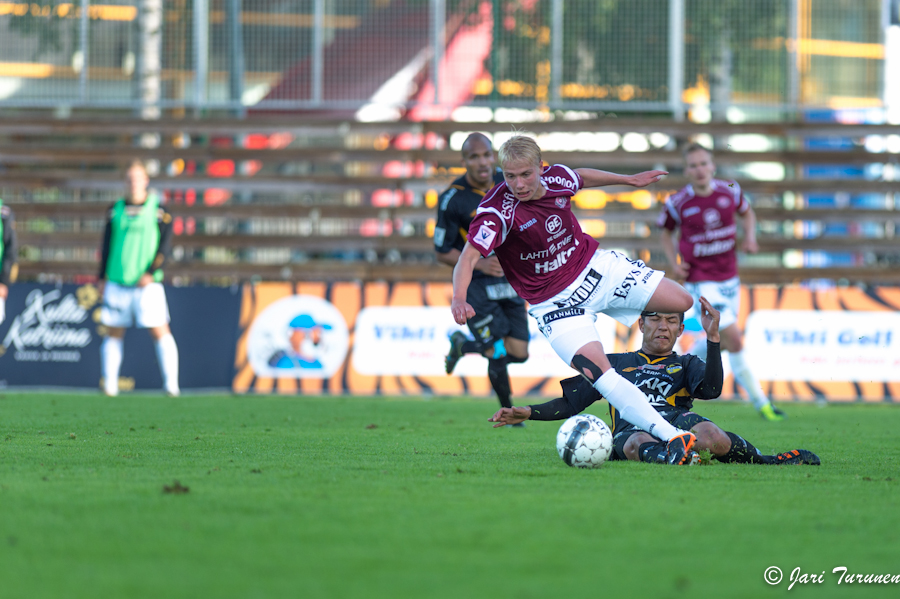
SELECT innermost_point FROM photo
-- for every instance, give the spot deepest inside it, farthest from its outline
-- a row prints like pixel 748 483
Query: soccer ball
pixel 584 441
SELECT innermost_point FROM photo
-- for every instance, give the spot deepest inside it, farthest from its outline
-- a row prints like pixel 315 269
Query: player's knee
pixel 587 367
pixel 711 438
pixel 632 448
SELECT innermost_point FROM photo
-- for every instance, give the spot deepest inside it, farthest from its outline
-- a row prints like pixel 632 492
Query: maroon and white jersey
pixel 708 228
pixel 539 243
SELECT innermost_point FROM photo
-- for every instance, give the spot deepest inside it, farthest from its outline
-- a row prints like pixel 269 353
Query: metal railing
pixel 386 59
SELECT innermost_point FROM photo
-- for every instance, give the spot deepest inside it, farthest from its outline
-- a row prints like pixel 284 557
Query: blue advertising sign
pixel 51 338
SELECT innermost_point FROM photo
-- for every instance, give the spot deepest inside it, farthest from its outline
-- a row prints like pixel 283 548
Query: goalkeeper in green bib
pixel 136 243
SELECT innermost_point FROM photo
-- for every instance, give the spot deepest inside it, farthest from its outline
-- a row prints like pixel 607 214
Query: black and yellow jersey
pixel 456 209
pixel 667 381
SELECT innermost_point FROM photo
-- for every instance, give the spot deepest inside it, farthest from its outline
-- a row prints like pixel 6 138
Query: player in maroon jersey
pixel 527 221
pixel 705 212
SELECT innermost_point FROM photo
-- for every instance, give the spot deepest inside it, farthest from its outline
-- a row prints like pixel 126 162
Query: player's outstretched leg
pixel 795 456
pixel 631 401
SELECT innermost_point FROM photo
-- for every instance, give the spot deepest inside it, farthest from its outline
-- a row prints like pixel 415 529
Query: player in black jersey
pixel 501 328
pixel 671 383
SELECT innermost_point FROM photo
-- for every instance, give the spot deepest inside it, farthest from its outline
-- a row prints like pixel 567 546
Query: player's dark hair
pixel 647 313
pixel 694 147
pixel 475 137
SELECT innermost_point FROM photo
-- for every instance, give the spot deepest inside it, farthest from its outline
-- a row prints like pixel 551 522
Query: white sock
pixel 633 405
pixel 747 380
pixel 110 363
pixel 699 349
pixel 167 354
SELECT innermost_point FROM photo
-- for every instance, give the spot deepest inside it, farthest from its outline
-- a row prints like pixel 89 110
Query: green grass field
pixel 370 498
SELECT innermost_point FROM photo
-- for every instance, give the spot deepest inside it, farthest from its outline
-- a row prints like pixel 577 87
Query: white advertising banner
pixel 810 345
pixel 414 341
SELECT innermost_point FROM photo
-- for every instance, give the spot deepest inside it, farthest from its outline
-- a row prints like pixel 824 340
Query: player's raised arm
pixel 462 276
pixel 597 178
pixel 709 320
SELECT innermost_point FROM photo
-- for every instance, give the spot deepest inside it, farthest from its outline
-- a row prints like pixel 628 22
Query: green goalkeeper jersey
pixel 134 241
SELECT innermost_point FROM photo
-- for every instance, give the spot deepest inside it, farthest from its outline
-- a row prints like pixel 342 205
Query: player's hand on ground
pixel 490 266
pixel 709 319
pixel 647 177
pixel 462 311
pixel 511 415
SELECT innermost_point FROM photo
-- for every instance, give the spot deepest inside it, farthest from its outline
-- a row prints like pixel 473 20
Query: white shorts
pixel 2 309
pixel 144 307
pixel 610 284
pixel 725 296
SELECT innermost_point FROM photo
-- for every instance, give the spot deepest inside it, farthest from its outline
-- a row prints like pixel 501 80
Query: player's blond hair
pixel 519 148
pixel 694 147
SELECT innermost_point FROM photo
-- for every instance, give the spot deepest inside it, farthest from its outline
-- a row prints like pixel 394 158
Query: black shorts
pixel 681 418
pixel 499 312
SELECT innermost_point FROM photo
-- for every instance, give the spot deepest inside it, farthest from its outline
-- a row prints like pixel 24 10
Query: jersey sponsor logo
pixel 564 313
pixel 644 367
pixel 535 255
pixel 561 202
pixel 654 384
pixel 555 247
pixel 673 368
pixel 485 236
pixel 553 223
pixel 551 265
pixel 691 211
pixel 528 224
pixel 506 207
pixel 439 233
pixel 712 218
pixel 723 203
pixel 584 292
pixel 625 286
pixel 711 249
pixel 728 231
pixel 561 181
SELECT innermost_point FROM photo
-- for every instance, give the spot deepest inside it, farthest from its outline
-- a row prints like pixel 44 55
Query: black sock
pixel 471 347
pixel 653 452
pixel 499 378
pixel 742 452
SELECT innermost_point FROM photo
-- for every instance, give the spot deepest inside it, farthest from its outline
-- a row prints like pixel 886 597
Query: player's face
pixel 478 158
pixel 699 168
pixel 137 181
pixel 524 179
pixel 661 331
